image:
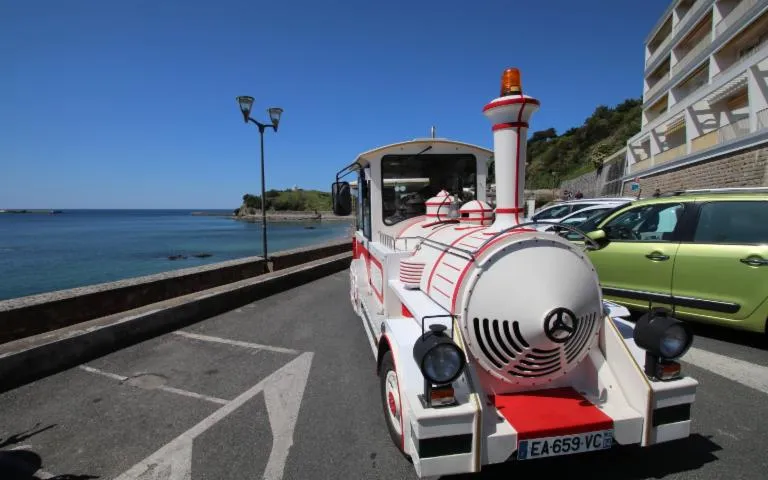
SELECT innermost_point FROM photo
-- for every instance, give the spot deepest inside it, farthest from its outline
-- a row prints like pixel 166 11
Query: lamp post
pixel 246 103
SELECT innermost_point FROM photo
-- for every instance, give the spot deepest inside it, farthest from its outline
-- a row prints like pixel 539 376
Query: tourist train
pixel 491 339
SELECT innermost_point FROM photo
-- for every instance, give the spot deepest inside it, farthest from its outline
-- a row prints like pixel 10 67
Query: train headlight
pixel 441 361
pixel 664 339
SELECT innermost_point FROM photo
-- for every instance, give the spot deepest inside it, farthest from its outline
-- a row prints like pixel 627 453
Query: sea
pixel 46 252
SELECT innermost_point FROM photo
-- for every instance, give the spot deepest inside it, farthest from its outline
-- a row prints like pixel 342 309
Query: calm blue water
pixel 41 253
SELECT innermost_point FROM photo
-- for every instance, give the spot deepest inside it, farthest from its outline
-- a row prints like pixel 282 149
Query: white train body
pixel 551 368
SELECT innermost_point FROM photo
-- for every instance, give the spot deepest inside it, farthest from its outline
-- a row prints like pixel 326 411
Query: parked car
pixel 559 210
pixel 703 253
pixel 582 215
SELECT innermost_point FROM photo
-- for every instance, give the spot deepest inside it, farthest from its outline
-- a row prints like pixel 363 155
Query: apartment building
pixel 705 98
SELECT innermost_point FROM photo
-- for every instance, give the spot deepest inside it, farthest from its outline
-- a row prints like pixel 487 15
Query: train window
pixel 408 182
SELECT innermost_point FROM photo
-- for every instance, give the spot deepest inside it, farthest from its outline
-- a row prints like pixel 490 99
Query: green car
pixel 703 253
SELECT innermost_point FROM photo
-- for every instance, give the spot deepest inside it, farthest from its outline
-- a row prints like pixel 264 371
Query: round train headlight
pixel 661 335
pixel 441 361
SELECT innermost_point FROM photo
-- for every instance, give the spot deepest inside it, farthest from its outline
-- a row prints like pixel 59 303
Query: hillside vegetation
pixel 290 200
pixel 553 158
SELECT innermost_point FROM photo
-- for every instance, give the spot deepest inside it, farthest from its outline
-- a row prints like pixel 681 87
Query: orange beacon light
pixel 510 82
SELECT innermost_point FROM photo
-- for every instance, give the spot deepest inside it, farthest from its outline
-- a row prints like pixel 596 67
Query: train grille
pixel 504 346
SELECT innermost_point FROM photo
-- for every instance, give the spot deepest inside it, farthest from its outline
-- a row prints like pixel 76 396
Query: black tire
pixel 387 365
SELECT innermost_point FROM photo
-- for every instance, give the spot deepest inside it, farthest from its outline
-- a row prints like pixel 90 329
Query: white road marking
pixel 21 447
pixel 187 393
pixel 238 343
pixel 283 398
pixel 745 373
pixel 165 388
pixel 113 376
pixel 173 461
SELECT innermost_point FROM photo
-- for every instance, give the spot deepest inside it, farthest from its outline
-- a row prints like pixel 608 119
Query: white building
pixel 705 88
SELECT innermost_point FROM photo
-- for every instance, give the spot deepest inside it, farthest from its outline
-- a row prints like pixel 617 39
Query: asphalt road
pixel 223 398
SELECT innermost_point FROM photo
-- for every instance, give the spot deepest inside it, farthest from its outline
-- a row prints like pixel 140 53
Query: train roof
pixel 364 158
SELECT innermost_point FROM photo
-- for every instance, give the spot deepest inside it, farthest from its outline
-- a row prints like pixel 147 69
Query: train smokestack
pixel 509 114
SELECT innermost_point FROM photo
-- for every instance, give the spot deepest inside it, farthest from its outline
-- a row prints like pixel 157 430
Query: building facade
pixel 705 98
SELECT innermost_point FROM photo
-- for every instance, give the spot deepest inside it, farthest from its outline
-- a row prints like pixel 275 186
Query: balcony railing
pixel 723 134
pixel 734 15
pixel 641 165
pixel 669 154
pixel 733 130
pixel 702 142
pixel 691 54
pixel 762 119
pixel 661 83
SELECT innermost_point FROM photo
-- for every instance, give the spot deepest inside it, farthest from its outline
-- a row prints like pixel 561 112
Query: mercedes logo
pixel 560 325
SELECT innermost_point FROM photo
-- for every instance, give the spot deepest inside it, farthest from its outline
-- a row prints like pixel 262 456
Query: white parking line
pixel 283 392
pixel 113 376
pixel 238 343
pixel 164 388
pixel 745 373
pixel 187 393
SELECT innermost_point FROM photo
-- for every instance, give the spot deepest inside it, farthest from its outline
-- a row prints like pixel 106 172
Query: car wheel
pixel 390 400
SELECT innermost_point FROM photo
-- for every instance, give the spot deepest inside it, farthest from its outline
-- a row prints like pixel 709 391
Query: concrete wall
pixel 606 184
pixel 27 316
pixel 748 168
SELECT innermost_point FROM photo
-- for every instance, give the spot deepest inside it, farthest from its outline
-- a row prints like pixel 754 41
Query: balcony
pixel 737 69
pixel 659 50
pixel 691 55
pixel 691 16
pixel 734 16
pixel 726 133
pixel 665 33
pixel 660 84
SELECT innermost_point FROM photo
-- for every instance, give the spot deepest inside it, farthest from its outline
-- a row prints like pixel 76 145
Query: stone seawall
pixel 32 315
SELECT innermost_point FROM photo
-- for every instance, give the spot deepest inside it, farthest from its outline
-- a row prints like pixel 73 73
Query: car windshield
pixel 588 217
pixel 557 211
pixel 409 181
pixel 591 222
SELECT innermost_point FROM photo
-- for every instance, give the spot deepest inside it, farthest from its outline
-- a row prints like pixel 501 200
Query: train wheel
pixel 390 399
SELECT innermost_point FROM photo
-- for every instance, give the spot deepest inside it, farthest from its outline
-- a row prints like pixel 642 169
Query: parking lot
pixel 284 388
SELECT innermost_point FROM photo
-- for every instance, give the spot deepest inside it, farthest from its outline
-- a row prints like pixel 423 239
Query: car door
pixel 635 267
pixel 721 273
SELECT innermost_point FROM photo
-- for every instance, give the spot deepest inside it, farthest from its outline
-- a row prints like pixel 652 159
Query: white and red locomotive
pixel 492 340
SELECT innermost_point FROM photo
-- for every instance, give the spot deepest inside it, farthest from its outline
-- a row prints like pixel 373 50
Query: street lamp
pixel 246 103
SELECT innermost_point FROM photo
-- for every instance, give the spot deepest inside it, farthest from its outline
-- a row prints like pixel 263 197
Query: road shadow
pixel 25 465
pixel 23 436
pixel 619 463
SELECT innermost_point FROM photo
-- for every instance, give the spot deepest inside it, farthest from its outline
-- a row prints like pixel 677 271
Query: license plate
pixel 564 445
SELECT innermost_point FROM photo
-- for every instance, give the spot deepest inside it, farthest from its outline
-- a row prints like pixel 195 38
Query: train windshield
pixel 409 181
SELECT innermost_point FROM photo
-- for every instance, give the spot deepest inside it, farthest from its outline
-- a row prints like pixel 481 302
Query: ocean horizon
pixel 41 253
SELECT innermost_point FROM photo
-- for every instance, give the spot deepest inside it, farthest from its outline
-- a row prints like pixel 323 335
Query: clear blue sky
pixel 131 104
